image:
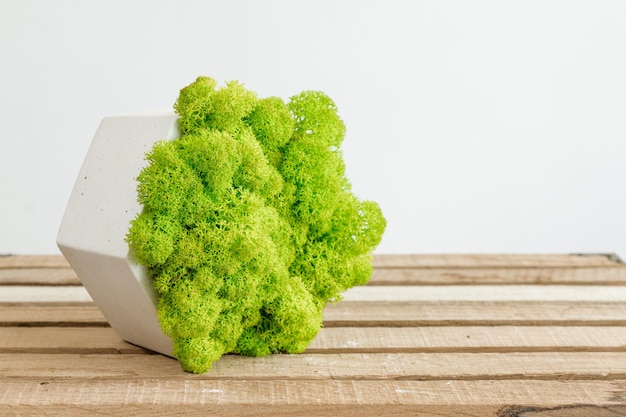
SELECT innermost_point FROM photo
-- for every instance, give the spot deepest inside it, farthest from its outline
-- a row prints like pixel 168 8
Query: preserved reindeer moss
pixel 249 226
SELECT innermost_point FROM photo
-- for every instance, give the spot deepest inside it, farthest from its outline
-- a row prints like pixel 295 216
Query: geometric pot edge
pixel 97 217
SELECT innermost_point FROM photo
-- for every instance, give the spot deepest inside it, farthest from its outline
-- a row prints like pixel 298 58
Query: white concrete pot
pixel 97 218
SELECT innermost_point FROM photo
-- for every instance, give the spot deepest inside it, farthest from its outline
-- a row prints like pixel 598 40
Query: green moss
pixel 249 226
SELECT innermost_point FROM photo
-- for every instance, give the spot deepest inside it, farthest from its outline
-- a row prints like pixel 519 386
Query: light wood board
pixel 445 335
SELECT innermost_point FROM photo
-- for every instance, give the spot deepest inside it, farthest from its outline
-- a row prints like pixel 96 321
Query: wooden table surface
pixel 445 335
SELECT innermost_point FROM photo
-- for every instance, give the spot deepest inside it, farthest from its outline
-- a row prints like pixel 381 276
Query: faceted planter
pixel 97 218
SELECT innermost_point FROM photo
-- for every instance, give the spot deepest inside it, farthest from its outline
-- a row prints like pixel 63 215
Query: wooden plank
pixel 487 293
pixel 391 276
pixel 474 313
pixel 352 366
pixel 370 314
pixel 613 275
pixel 38 276
pixel 34 294
pixel 586 293
pixel 466 261
pixel 393 270
pixel 352 340
pixel 33 261
pixel 87 340
pixel 467 351
pixel 198 397
pixel 51 314
pixel 470 339
pixel 395 261
pixel 576 410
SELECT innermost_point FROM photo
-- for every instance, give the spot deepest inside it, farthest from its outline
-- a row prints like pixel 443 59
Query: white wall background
pixel 479 126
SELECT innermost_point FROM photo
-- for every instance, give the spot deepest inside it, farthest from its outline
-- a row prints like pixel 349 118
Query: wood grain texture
pixel 370 314
pixel 468 261
pixel 393 270
pixel 449 335
pixel 38 276
pixel 578 410
pixel 200 397
pixel 474 313
pixel 580 293
pixel 475 339
pixel 346 366
pixel 51 314
pixel 610 275
pixel 33 261
pixel 460 261
pixel 83 340
pixel 47 293
pixel 488 293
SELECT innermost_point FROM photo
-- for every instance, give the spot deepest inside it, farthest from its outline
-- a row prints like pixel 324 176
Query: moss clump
pixel 249 226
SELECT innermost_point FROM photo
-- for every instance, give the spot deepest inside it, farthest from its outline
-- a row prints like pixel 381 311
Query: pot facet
pixel 96 220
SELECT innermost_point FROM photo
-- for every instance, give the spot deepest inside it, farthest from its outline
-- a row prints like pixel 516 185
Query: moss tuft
pixel 249 226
